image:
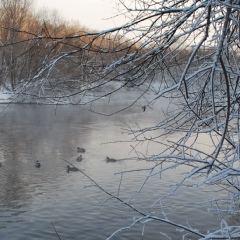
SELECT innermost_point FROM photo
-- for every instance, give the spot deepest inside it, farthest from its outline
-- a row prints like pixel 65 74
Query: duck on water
pixel 80 158
pixel 108 159
pixel 71 169
pixel 81 150
pixel 37 164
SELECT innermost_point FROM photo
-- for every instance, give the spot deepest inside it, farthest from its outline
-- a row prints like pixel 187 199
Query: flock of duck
pixel 79 159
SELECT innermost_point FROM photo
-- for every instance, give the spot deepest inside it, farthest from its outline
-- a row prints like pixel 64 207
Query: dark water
pixel 33 200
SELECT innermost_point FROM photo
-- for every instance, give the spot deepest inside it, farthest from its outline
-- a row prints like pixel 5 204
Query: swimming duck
pixel 69 169
pixel 81 150
pixel 80 158
pixel 110 159
pixel 144 108
pixel 37 164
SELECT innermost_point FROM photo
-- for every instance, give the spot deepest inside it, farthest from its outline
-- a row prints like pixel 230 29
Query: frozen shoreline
pixel 5 97
pixel 71 98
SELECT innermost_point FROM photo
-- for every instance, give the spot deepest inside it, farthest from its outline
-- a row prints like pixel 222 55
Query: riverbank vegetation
pixel 44 57
pixel 41 51
pixel 185 51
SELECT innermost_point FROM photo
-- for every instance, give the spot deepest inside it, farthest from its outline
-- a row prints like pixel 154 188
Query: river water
pixel 34 201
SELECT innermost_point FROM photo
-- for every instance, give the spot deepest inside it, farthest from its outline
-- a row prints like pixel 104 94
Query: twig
pixel 56 231
pixel 136 210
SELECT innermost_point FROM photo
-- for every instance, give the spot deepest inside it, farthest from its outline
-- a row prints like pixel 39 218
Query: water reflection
pixel 31 198
pixel 30 133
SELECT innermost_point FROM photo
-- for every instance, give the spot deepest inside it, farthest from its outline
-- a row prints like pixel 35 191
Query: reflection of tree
pixel 13 183
pixel 28 133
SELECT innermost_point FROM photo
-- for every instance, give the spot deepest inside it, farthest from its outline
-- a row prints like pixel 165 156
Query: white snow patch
pixel 5 96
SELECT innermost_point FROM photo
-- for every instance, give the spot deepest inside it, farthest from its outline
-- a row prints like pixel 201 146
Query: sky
pixel 93 14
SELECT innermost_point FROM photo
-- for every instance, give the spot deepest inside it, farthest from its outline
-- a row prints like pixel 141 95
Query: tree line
pixel 43 47
pixel 30 42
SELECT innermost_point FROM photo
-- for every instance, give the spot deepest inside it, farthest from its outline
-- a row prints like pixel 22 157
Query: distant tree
pixel 13 18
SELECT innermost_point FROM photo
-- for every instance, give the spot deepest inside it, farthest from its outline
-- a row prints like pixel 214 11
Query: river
pixel 34 201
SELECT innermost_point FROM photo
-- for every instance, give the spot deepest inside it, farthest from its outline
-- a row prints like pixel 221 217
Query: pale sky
pixel 90 13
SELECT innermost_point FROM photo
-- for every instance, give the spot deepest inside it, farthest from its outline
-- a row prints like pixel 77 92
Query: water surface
pixel 33 200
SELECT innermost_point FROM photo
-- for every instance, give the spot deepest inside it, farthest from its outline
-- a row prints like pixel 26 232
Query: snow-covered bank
pixel 5 96
pixel 65 96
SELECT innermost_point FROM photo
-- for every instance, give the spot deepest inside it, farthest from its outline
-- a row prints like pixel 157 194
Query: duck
pixel 73 169
pixel 0 164
pixel 81 150
pixel 37 164
pixel 110 159
pixel 80 158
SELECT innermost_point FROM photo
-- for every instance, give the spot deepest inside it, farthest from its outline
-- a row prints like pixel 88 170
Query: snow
pixel 5 96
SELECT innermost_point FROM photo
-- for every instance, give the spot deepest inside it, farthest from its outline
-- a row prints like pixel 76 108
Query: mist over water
pixel 32 199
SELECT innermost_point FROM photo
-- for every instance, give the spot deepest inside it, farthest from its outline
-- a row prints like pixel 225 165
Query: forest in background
pixel 42 48
pixel 31 42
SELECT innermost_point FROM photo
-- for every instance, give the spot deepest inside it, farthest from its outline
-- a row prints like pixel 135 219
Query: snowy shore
pixel 65 97
pixel 5 96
